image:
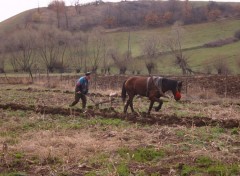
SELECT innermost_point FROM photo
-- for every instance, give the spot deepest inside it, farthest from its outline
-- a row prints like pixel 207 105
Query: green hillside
pixel 193 36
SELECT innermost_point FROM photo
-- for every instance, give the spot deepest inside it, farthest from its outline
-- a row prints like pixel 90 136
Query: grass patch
pixel 205 134
pixel 142 155
pixel 123 170
pixel 205 165
pixel 235 131
pixel 100 160
pixel 180 133
pixel 18 155
pixel 204 161
pixel 14 174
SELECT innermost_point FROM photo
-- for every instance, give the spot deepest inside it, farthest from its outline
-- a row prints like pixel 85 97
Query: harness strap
pixel 147 92
pixel 157 81
pixel 159 85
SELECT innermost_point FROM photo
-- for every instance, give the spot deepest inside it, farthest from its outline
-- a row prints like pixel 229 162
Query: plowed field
pixel 41 135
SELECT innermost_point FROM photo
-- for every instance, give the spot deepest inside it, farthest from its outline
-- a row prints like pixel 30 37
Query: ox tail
pixel 124 92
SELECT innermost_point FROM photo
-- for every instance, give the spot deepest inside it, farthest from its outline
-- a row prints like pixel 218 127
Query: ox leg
pixel 126 106
pixel 131 103
pixel 154 99
pixel 159 106
pixel 150 106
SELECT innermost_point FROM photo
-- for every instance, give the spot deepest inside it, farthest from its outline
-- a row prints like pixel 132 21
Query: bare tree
pixel 66 16
pixel 135 66
pixel 2 62
pixel 2 59
pixel 237 34
pixel 120 60
pixel 59 7
pixel 64 39
pixel 208 69
pixel 187 12
pixel 106 61
pixel 77 6
pixel 2 54
pixel 78 51
pixel 22 48
pixel 221 65
pixel 97 49
pixel 151 49
pixel 174 44
pixel 238 62
pixel 13 62
pixel 52 44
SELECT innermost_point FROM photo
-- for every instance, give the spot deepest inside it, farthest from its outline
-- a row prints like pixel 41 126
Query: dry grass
pixel 195 92
pixel 73 146
pixel 84 145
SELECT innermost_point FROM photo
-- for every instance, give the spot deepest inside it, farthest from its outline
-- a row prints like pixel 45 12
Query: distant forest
pixel 142 13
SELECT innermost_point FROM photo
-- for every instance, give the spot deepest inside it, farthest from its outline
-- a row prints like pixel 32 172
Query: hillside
pixel 137 14
pixel 123 35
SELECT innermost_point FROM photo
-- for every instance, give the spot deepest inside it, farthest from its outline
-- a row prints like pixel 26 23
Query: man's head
pixel 88 75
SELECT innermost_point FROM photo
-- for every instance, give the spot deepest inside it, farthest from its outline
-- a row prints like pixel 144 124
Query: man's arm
pixel 79 87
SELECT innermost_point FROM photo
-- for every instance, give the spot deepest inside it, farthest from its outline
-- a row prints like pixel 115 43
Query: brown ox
pixel 152 87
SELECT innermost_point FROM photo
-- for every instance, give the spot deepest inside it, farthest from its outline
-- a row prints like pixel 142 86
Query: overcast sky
pixel 9 8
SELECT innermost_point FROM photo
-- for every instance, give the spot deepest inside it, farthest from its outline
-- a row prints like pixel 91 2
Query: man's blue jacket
pixel 82 85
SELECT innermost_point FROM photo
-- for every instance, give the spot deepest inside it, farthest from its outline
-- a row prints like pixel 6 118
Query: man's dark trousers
pixel 79 96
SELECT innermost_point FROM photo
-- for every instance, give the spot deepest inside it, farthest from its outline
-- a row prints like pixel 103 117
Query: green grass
pixel 106 122
pixel 14 174
pixel 193 35
pixel 53 122
pixel 123 170
pixel 141 154
pixel 205 165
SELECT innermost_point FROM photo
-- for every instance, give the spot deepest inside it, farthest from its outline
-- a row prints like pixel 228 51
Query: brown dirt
pixel 229 85
pixel 142 118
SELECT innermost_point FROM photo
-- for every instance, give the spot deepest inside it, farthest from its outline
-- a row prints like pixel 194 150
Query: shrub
pixel 2 66
pixel 237 34
pixel 222 67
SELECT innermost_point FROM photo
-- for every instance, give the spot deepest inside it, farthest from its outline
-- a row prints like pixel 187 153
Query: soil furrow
pixel 143 118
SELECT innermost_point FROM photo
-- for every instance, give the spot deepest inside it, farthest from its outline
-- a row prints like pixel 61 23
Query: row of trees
pixel 49 48
pixel 140 13
pixel 52 49
pixel 160 13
